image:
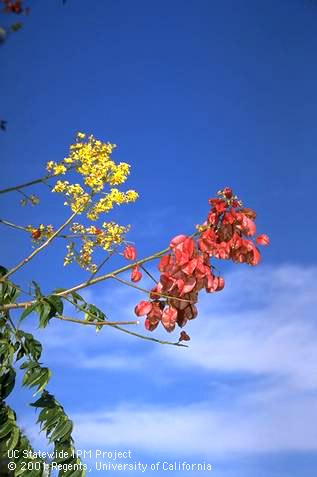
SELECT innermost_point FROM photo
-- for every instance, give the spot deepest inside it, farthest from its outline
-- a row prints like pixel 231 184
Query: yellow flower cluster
pixel 40 233
pixel 55 169
pixel 92 238
pixel 85 255
pixel 70 255
pixel 78 199
pixel 91 159
pixel 113 234
pixel 114 197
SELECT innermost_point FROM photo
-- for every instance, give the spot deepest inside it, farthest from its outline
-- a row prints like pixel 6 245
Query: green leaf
pixel 29 364
pixel 3 290
pixel 76 298
pixel 3 271
pixel 56 304
pixel 7 428
pixel 14 438
pixel 94 314
pixel 44 414
pixel 32 375
pixel 50 306
pixel 51 419
pixel 36 376
pixel 3 414
pixel 46 376
pixel 20 354
pixel 30 344
pixel 8 292
pixel 14 293
pixel 46 400
pixel 62 429
pixel 27 311
pixel 35 349
pixel 7 382
pixel 45 314
pixel 58 290
pixel 7 351
pixel 37 290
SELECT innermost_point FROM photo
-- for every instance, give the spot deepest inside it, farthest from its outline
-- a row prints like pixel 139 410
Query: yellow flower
pixel 60 186
pixel 55 168
pixel 59 169
pixel 94 193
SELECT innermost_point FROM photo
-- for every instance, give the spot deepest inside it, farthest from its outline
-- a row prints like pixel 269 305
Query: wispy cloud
pixel 199 430
pixel 264 324
pixel 109 361
pixel 261 327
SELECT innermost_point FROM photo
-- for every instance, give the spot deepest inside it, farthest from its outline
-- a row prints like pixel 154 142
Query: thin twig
pixel 148 338
pixel 22 193
pixel 103 263
pixel 96 323
pixel 149 274
pixel 10 320
pixel 16 306
pixel 14 226
pixel 26 184
pixel 38 249
pixel 124 330
pixel 27 229
pixel 129 284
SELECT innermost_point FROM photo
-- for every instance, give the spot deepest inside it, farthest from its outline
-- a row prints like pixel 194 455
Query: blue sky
pixel 197 95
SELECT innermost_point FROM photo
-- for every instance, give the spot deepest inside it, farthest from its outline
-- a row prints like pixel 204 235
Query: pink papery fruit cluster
pixel 186 270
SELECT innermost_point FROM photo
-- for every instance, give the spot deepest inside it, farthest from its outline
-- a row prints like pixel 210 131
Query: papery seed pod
pixel 129 252
pixel 143 308
pixel 183 336
pixel 136 275
pixel 263 239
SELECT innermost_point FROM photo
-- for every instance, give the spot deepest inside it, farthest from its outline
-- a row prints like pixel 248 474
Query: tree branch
pixel 38 249
pixel 26 184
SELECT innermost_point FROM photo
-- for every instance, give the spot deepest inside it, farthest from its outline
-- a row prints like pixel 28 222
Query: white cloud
pixel 262 323
pixel 261 326
pixel 109 361
pixel 199 430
